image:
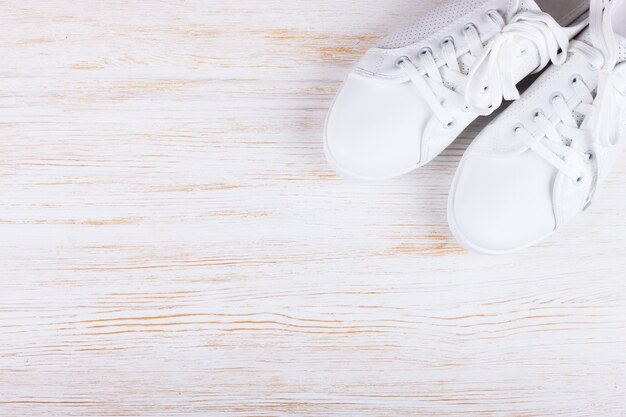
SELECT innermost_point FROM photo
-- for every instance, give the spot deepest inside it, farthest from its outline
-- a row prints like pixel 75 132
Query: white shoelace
pixel 494 60
pixel 541 30
pixel 562 138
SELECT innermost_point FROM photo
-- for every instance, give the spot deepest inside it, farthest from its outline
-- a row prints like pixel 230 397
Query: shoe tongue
pixel 527 5
pixel 586 37
pixel 517 6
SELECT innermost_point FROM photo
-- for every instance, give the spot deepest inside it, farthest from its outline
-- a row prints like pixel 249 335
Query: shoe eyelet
pixel 450 125
pixel 556 95
pixel 575 79
pixel 402 60
pixel 537 113
pixel 517 127
pixel 590 156
pixel 493 12
pixel 580 181
pixel 425 51
pixel 447 41
pixel 593 67
pixel 469 26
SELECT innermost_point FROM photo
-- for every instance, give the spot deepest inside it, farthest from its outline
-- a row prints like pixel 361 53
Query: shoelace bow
pixel 433 81
pixel 498 61
pixel 558 140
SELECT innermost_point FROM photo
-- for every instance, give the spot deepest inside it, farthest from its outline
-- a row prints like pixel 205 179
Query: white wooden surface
pixel 172 242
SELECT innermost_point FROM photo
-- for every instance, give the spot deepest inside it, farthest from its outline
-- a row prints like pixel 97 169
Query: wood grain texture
pixel 173 242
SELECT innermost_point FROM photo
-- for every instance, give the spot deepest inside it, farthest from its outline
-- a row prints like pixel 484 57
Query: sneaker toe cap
pixel 500 205
pixel 373 129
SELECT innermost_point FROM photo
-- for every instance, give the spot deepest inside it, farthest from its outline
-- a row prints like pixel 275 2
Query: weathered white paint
pixel 174 244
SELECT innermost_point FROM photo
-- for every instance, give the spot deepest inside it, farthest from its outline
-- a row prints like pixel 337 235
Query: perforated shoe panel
pixel 431 23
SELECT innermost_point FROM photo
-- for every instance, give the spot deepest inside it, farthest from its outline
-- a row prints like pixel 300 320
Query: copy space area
pixel 173 242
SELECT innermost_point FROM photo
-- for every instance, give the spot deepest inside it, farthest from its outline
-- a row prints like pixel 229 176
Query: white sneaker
pixel 413 94
pixel 539 163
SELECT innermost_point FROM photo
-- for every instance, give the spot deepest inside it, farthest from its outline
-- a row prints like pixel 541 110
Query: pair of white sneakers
pixel 535 166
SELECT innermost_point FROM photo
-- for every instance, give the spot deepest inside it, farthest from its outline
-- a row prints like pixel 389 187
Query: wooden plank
pixel 174 243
